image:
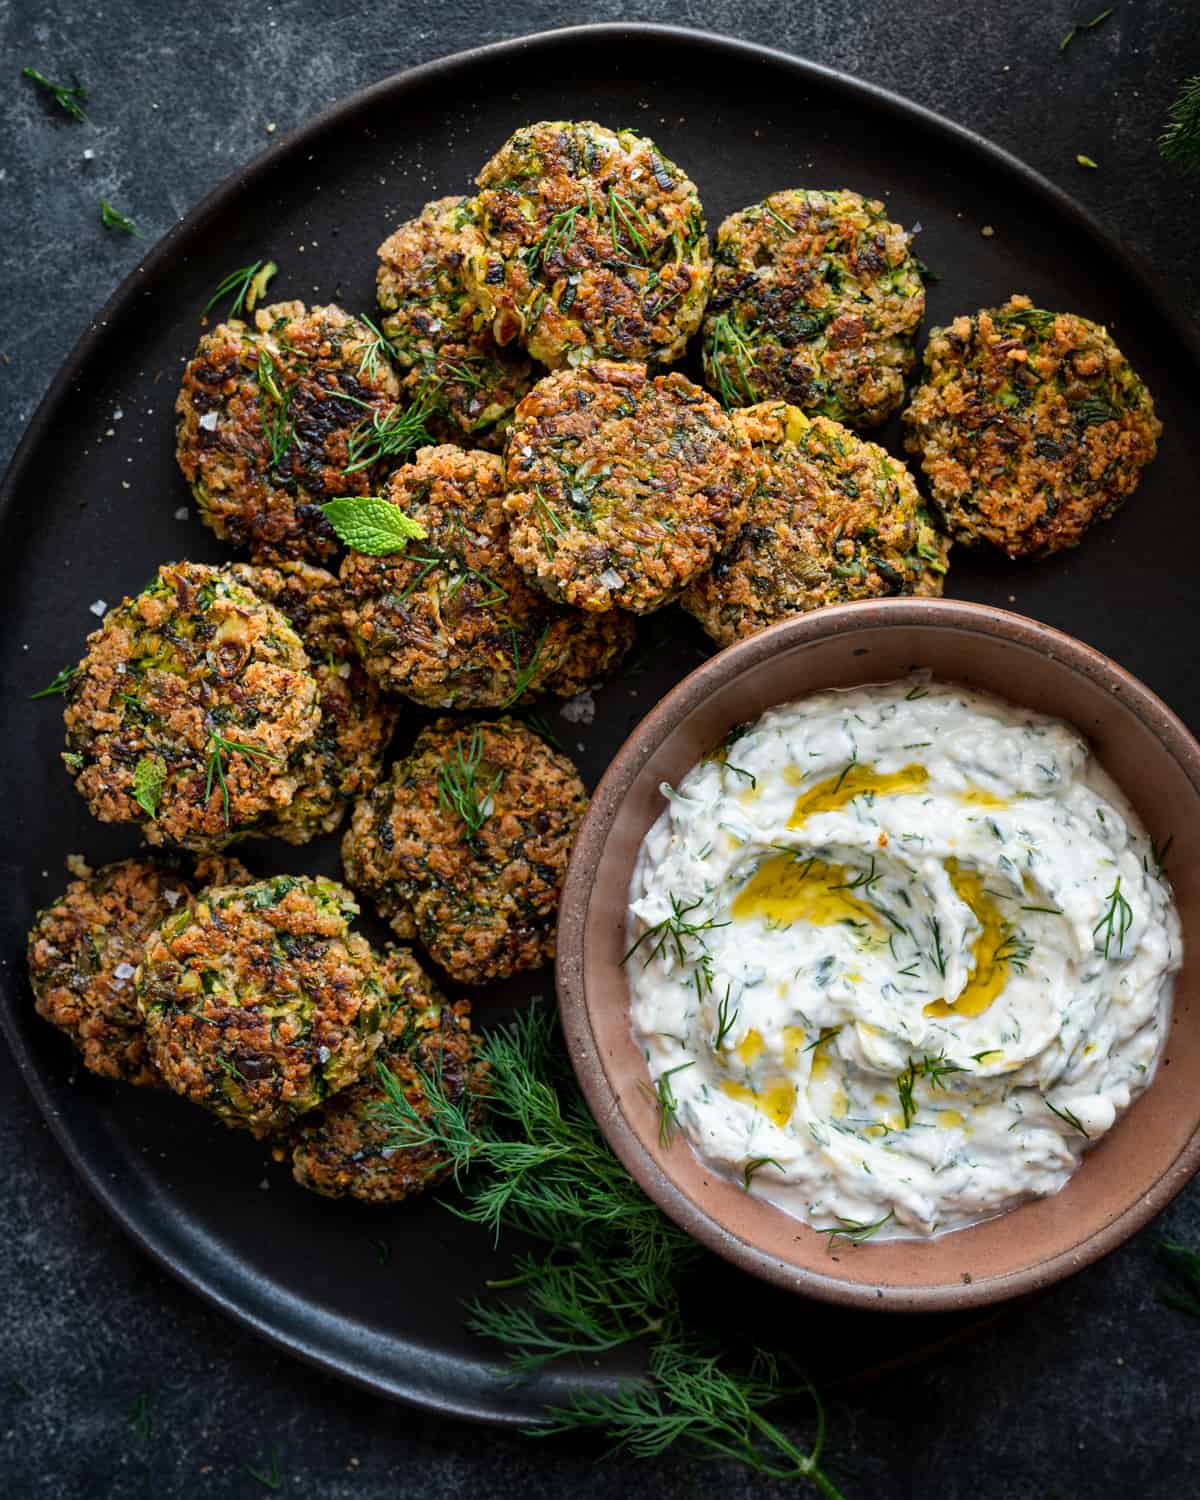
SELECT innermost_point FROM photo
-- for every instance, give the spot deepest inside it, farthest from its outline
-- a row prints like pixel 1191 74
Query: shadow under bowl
pixel 1127 1178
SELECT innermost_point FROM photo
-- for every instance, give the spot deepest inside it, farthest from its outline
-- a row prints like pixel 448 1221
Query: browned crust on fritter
pixel 453 622
pixel 344 759
pixel 195 655
pixel 346 1149
pixel 621 486
pixel 307 374
pixel 1030 426
pixel 484 907
pixel 259 1001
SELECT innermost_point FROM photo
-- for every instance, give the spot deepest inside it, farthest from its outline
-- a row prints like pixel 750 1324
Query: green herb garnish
pixel 1185 1266
pixel 674 932
pixel 379 347
pixel 247 284
pixel 1085 161
pixel 272 1478
pixel 726 1019
pixel 1068 1116
pixel 525 672
pixel 111 218
pixel 1082 26
pixel 371 525
pixel 69 97
pixel 756 1164
pixel 149 778
pixel 607 1270
pixel 139 1417
pixel 459 791
pixel 729 344
pixel 218 748
pixel 934 1069
pixel 61 682
pixel 389 433
pixel 668 1105
pixel 853 1230
pixel 1180 142
pixel 1115 923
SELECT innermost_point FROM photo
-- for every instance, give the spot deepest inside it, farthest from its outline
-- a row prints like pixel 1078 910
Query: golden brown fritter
pixel 1030 426
pixel 595 246
pixel 816 301
pixel 466 846
pixel 832 518
pixel 346 1149
pixel 259 1002
pixel 190 710
pixel 442 343
pixel 452 622
pixel 344 758
pixel 277 419
pixel 85 948
pixel 621 487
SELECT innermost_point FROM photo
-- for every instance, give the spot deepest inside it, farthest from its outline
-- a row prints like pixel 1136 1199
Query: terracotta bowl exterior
pixel 1127 1178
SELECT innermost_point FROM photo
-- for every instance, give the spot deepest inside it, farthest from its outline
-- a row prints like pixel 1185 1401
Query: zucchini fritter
pixel 466 846
pixel 190 710
pixel 442 342
pixel 85 947
pixel 595 246
pixel 276 419
pixel 344 758
pixel 621 487
pixel 1030 426
pixel 452 622
pixel 816 301
pixel 345 1149
pixel 832 518
pixel 259 1002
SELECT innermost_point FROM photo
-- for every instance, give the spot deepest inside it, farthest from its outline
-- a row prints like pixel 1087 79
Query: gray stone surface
pixel 1092 1389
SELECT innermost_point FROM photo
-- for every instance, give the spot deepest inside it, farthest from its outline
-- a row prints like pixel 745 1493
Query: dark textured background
pixel 1090 1391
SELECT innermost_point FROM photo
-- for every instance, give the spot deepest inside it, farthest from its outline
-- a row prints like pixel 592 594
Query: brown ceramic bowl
pixel 1129 1176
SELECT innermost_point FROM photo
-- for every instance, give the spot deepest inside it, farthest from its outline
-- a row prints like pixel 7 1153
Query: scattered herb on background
pixel 371 525
pixel 149 778
pixel 1180 142
pixel 69 97
pixel 1082 26
pixel 459 792
pixel 272 1478
pixel 112 218
pixel 60 683
pixel 246 285
pixel 608 1268
pixel 383 1251
pixel 19 1389
pixel 139 1417
pixel 1184 1264
pixel 1086 161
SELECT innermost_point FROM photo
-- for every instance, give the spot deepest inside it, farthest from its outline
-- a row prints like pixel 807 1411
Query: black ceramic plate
pixel 89 510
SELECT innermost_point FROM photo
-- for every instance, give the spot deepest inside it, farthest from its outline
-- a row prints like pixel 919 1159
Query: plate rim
pixel 1145 282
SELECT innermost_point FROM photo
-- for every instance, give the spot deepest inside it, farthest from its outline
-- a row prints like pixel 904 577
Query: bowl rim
pixel 573 937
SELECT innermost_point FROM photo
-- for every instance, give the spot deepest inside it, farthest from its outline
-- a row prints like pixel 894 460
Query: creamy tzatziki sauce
pixel 899 955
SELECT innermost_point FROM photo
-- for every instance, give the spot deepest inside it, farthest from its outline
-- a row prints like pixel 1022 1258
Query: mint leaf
pixel 371 524
pixel 149 777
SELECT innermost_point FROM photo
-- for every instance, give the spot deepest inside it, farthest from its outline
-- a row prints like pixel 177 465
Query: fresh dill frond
pixel 390 432
pixel 1158 855
pixel 756 1164
pixel 1068 1117
pixel 274 407
pixel 726 1020
pixel 935 1070
pixel 1184 1265
pixel 607 1268
pixel 1081 26
pixel 69 97
pixel 270 1479
pixel 59 684
pixel 460 793
pixel 218 748
pixel 625 217
pixel 854 1231
pixel 1180 142
pixel 112 218
pixel 730 346
pixel 525 671
pixel 668 1105
pixel 674 933
pixel 139 1417
pixel 1114 925
pixel 379 347
pixel 541 725
pixel 937 954
pixel 246 285
pixel 863 881
pixel 555 238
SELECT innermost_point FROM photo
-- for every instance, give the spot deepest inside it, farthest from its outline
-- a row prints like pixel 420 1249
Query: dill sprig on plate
pixel 607 1267
pixel 1180 142
pixel 246 284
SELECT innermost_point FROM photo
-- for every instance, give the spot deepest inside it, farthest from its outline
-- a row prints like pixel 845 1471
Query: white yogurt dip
pixel 900 955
